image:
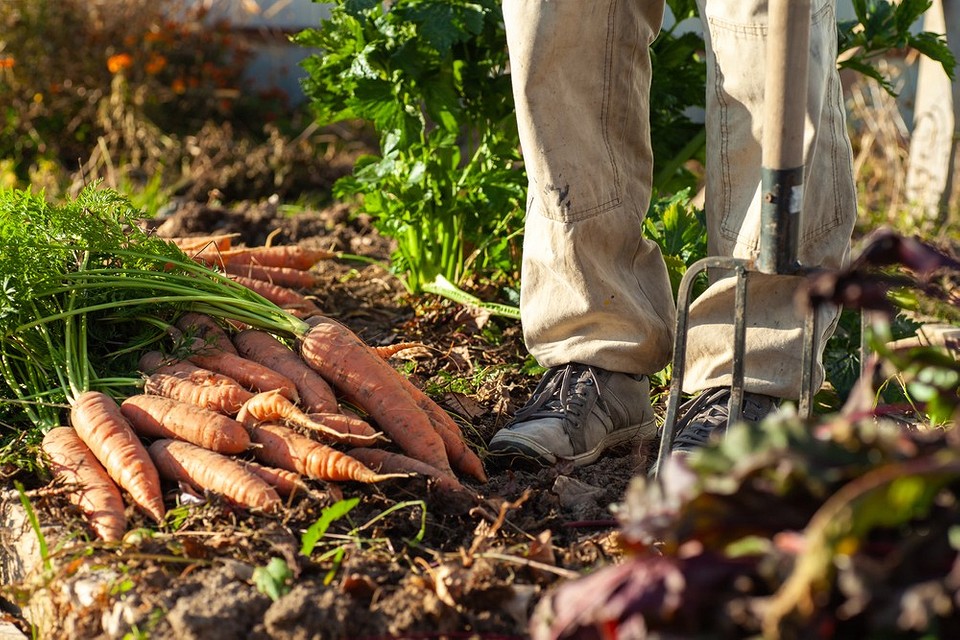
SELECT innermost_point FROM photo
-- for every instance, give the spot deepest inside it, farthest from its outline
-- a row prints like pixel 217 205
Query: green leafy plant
pixel 274 579
pixel 881 27
pixel 337 547
pixel 676 225
pixel 328 516
pixel 430 76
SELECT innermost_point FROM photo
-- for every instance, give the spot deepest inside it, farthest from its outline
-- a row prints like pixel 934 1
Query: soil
pixel 407 561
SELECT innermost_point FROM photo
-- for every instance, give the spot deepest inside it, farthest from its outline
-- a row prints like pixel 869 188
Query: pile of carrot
pixel 242 414
pixel 278 273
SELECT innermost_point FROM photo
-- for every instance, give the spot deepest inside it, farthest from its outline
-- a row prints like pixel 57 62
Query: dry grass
pixel 881 140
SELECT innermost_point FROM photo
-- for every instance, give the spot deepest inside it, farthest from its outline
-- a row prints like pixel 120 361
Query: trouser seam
pixel 605 108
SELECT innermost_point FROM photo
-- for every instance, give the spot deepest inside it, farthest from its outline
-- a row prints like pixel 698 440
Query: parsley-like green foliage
pixel 882 26
pixel 430 75
pixel 84 288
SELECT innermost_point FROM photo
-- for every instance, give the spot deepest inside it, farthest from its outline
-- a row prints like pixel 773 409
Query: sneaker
pixel 705 417
pixel 574 415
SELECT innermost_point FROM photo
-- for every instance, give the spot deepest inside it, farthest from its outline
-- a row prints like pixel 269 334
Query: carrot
pixel 388 351
pixel 459 454
pixel 283 447
pixel 270 406
pixel 199 243
pixel 95 494
pixel 284 276
pixel 185 381
pixel 225 399
pixel 348 425
pixel 285 483
pixel 250 374
pixel 383 461
pixel 287 256
pixel 158 417
pixel 284 297
pixel 316 395
pixel 207 470
pixel 368 381
pixel 100 424
pixel 207 329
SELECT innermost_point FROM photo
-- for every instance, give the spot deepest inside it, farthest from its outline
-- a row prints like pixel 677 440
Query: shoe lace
pixel 709 413
pixel 702 416
pixel 569 391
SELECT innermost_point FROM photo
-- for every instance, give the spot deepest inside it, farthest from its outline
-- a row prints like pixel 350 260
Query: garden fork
pixel 785 92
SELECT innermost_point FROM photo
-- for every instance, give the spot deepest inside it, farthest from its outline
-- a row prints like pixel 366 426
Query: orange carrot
pixel 286 483
pixel 100 424
pixel 207 470
pixel 94 493
pixel 200 243
pixel 390 350
pixel 316 395
pixel 220 398
pixel 185 381
pixel 250 374
pixel 288 256
pixel 368 381
pixel 284 276
pixel 158 417
pixel 348 424
pixel 283 447
pixel 459 454
pixel 284 297
pixel 383 461
pixel 206 329
pixel 271 406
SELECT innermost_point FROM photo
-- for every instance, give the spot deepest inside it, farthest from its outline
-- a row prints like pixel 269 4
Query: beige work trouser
pixel 593 289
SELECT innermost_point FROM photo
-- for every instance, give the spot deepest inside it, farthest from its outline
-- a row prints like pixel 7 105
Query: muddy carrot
pixel 271 406
pixel 383 461
pixel 185 381
pixel 316 395
pixel 390 350
pixel 283 447
pixel 286 483
pixel 348 425
pixel 207 470
pixel 250 374
pixel 283 276
pixel 207 329
pixel 159 417
pixel 100 424
pixel 200 243
pixel 94 493
pixel 460 455
pixel 287 256
pixel 284 297
pixel 368 381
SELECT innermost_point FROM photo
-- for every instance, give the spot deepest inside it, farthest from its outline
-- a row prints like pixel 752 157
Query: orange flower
pixel 119 62
pixel 178 85
pixel 155 64
pixel 7 62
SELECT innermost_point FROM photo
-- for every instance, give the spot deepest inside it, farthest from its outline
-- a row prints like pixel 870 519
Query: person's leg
pixel 595 297
pixel 736 32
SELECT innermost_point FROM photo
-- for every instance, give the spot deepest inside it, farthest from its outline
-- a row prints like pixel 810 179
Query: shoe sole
pixel 520 450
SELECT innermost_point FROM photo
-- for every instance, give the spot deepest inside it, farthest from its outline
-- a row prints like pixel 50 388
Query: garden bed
pixel 426 563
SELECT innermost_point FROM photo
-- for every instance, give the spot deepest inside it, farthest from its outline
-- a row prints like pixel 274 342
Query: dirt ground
pixel 406 561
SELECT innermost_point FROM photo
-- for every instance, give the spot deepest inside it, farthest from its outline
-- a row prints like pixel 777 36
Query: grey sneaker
pixel 575 413
pixel 705 417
